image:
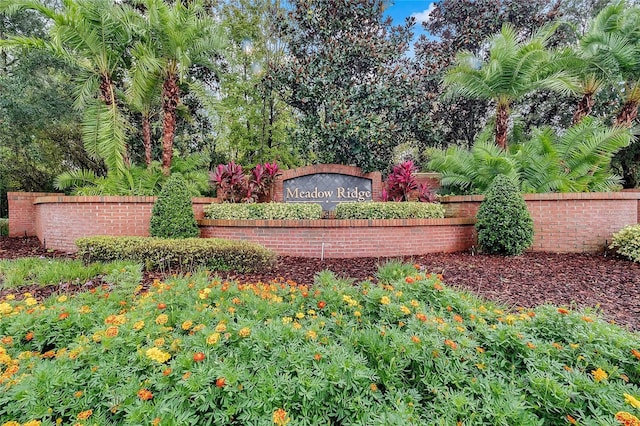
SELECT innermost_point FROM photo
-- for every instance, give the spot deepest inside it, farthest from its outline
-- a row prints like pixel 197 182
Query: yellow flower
pixel 599 374
pixel 631 400
pixel 62 299
pixel 221 328
pixel 357 314
pixel 32 423
pixel 300 315
pixel 159 341
pixel 244 332
pixel 157 355
pixel 162 319
pixel 287 320
pixel 405 310
pixel 139 325
pixel 212 339
pixel 30 301
pixel 384 300
pixel 84 309
pixel 5 308
pixel 11 423
pixel 187 325
pixel 627 419
pixel 297 325
pixel 312 335
pixel 280 417
pixel 10 297
pixel 111 332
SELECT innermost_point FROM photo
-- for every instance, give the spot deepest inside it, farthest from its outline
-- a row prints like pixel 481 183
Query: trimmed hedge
pixel 172 215
pixel 4 227
pixel 232 211
pixel 183 254
pixel 504 223
pixel 627 242
pixel 389 210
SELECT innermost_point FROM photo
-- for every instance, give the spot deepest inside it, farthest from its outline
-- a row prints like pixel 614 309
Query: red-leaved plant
pixel 402 180
pixel 234 186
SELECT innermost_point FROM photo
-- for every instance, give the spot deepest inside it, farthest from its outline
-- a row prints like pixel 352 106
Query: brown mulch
pixel 601 280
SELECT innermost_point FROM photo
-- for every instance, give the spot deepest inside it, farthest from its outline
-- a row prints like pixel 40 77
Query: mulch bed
pixel 604 280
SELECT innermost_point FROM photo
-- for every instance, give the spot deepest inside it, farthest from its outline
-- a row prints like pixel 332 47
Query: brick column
pixel 22 212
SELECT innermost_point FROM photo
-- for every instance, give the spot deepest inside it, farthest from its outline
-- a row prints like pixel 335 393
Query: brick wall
pixel 60 220
pixel 22 212
pixel 348 238
pixel 574 222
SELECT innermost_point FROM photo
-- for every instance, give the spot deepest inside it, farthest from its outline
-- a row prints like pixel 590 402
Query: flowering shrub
pixel 405 350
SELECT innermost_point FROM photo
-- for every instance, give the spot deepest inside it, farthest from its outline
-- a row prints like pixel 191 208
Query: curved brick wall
pixel 348 238
pixel 581 222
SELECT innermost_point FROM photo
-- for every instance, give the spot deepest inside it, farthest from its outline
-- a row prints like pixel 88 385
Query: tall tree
pixel 512 70
pixel 345 76
pixel 181 37
pixel 93 37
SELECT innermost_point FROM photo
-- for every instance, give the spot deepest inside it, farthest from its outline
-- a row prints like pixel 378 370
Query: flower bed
pixel 407 350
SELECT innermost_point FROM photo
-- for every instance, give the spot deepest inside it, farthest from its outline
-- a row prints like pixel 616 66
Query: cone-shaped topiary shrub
pixel 504 224
pixel 172 215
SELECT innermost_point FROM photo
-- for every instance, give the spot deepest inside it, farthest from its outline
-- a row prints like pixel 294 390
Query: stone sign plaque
pixel 326 189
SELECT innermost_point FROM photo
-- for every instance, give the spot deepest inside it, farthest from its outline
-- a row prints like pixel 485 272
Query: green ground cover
pixel 197 349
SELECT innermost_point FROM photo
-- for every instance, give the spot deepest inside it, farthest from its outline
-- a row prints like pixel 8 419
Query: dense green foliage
pixel 389 210
pixel 172 214
pixel 4 227
pixel 347 79
pixel 263 211
pixel 627 242
pixel 504 224
pixel 42 272
pixel 576 161
pixel 407 350
pixel 187 254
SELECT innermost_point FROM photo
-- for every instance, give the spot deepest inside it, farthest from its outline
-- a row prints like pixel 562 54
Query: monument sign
pixel 327 189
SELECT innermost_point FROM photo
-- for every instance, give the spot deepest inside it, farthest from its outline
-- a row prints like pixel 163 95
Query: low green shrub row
pixel 4 227
pixel 627 242
pixel 231 211
pixel 183 254
pixel 389 210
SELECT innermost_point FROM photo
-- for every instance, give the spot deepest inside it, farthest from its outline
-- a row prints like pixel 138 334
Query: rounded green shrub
pixel 172 215
pixel 504 224
pixel 627 242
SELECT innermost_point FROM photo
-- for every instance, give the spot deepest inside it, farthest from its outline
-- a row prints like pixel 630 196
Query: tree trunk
pixel 502 125
pixel 627 114
pixel 146 138
pixel 170 99
pixel 583 108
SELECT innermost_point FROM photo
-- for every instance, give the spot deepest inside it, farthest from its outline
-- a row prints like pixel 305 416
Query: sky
pixel 401 9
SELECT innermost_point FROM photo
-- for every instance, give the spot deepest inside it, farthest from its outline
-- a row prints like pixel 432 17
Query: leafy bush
pixel 579 160
pixel 184 254
pixel 389 210
pixel 627 242
pixel 232 211
pixel 233 186
pixel 4 227
pixel 196 349
pixel 401 182
pixel 172 215
pixel 504 224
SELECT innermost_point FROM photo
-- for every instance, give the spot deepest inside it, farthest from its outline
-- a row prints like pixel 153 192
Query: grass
pixel 44 271
pixel 407 350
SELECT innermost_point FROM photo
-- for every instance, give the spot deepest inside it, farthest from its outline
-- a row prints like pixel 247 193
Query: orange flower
pixel 166 372
pixel 145 394
pixel 78 394
pixel 627 419
pixel 409 280
pixel 437 286
pixel 63 315
pixel 422 317
pixel 317 357
pixel 280 417
pixel 220 382
pixel 84 415
pixel 415 339
pixel 373 387
pixel 635 353
pixel 322 304
pixel 29 336
pixel 531 345
pixel 563 311
pixel 198 356
pixel 457 318
pixel 162 305
pixel 111 332
pixel 451 344
pixel 571 420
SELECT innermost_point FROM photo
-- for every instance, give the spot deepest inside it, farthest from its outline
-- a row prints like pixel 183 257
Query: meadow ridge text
pixel 341 192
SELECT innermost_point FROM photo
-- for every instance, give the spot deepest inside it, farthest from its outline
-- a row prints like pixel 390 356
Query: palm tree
pixel 512 70
pixel 180 36
pixel 93 36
